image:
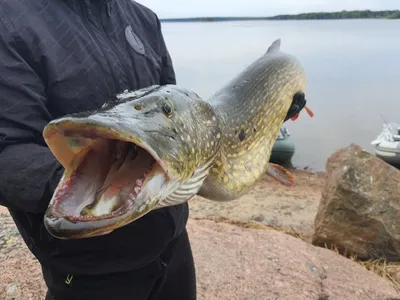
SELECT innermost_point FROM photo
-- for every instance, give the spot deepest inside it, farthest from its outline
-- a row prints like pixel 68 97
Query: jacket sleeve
pixel 167 72
pixel 29 172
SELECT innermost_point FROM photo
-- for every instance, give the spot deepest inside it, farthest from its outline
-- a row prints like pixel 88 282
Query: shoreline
pixel 270 204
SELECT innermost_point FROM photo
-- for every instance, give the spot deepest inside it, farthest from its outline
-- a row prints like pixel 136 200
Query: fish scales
pixel 252 106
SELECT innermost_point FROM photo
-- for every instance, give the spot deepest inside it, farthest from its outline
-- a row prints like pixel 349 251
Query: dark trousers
pixel 171 278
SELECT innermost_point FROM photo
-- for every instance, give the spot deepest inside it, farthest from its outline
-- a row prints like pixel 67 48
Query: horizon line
pixel 276 16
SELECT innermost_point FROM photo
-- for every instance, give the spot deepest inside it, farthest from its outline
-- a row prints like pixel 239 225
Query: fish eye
pixel 168 108
pixel 138 106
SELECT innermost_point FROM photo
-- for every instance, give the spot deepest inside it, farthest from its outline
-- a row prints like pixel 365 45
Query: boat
pixel 283 149
pixel 387 144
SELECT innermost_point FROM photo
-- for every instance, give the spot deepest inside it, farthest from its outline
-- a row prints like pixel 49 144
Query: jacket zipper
pixel 87 21
pixel 117 53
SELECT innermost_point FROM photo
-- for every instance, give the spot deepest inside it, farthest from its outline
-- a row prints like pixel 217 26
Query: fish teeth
pixel 139 182
pixel 130 200
pixel 137 189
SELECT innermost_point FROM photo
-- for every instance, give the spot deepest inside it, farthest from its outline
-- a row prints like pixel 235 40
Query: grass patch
pixel 388 270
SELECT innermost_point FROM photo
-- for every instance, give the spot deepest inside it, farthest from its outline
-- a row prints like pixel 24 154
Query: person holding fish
pixel 71 56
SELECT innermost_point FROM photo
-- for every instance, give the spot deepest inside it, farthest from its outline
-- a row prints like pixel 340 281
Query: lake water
pixel 353 69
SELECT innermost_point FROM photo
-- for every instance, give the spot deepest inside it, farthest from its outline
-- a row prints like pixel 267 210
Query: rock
pixel 259 218
pixel 12 292
pixel 235 263
pixel 359 211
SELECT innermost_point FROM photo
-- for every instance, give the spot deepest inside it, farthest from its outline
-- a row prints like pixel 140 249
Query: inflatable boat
pixel 283 149
pixel 387 144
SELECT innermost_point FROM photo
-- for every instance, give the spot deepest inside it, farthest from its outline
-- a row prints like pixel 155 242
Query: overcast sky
pixel 196 8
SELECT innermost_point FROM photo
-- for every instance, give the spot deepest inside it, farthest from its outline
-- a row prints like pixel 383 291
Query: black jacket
pixel 65 56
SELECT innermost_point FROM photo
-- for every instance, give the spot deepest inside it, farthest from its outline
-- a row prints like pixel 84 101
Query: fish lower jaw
pixel 74 226
pixel 97 209
pixel 111 186
pixel 99 212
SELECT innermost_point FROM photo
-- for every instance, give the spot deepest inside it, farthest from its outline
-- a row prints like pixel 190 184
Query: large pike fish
pixel 162 145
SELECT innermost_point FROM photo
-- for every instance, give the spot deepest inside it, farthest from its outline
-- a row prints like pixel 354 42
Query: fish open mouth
pixel 109 177
pixel 107 180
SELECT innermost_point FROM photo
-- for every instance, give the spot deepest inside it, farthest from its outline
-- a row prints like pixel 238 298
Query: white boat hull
pixel 388 155
pixel 387 144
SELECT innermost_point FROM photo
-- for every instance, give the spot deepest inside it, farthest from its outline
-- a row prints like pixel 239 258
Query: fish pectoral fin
pixel 280 174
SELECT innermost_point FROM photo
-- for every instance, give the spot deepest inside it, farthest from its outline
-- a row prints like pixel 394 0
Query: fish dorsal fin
pixel 275 46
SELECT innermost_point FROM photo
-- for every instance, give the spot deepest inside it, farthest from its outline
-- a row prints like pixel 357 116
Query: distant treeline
pixel 353 14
